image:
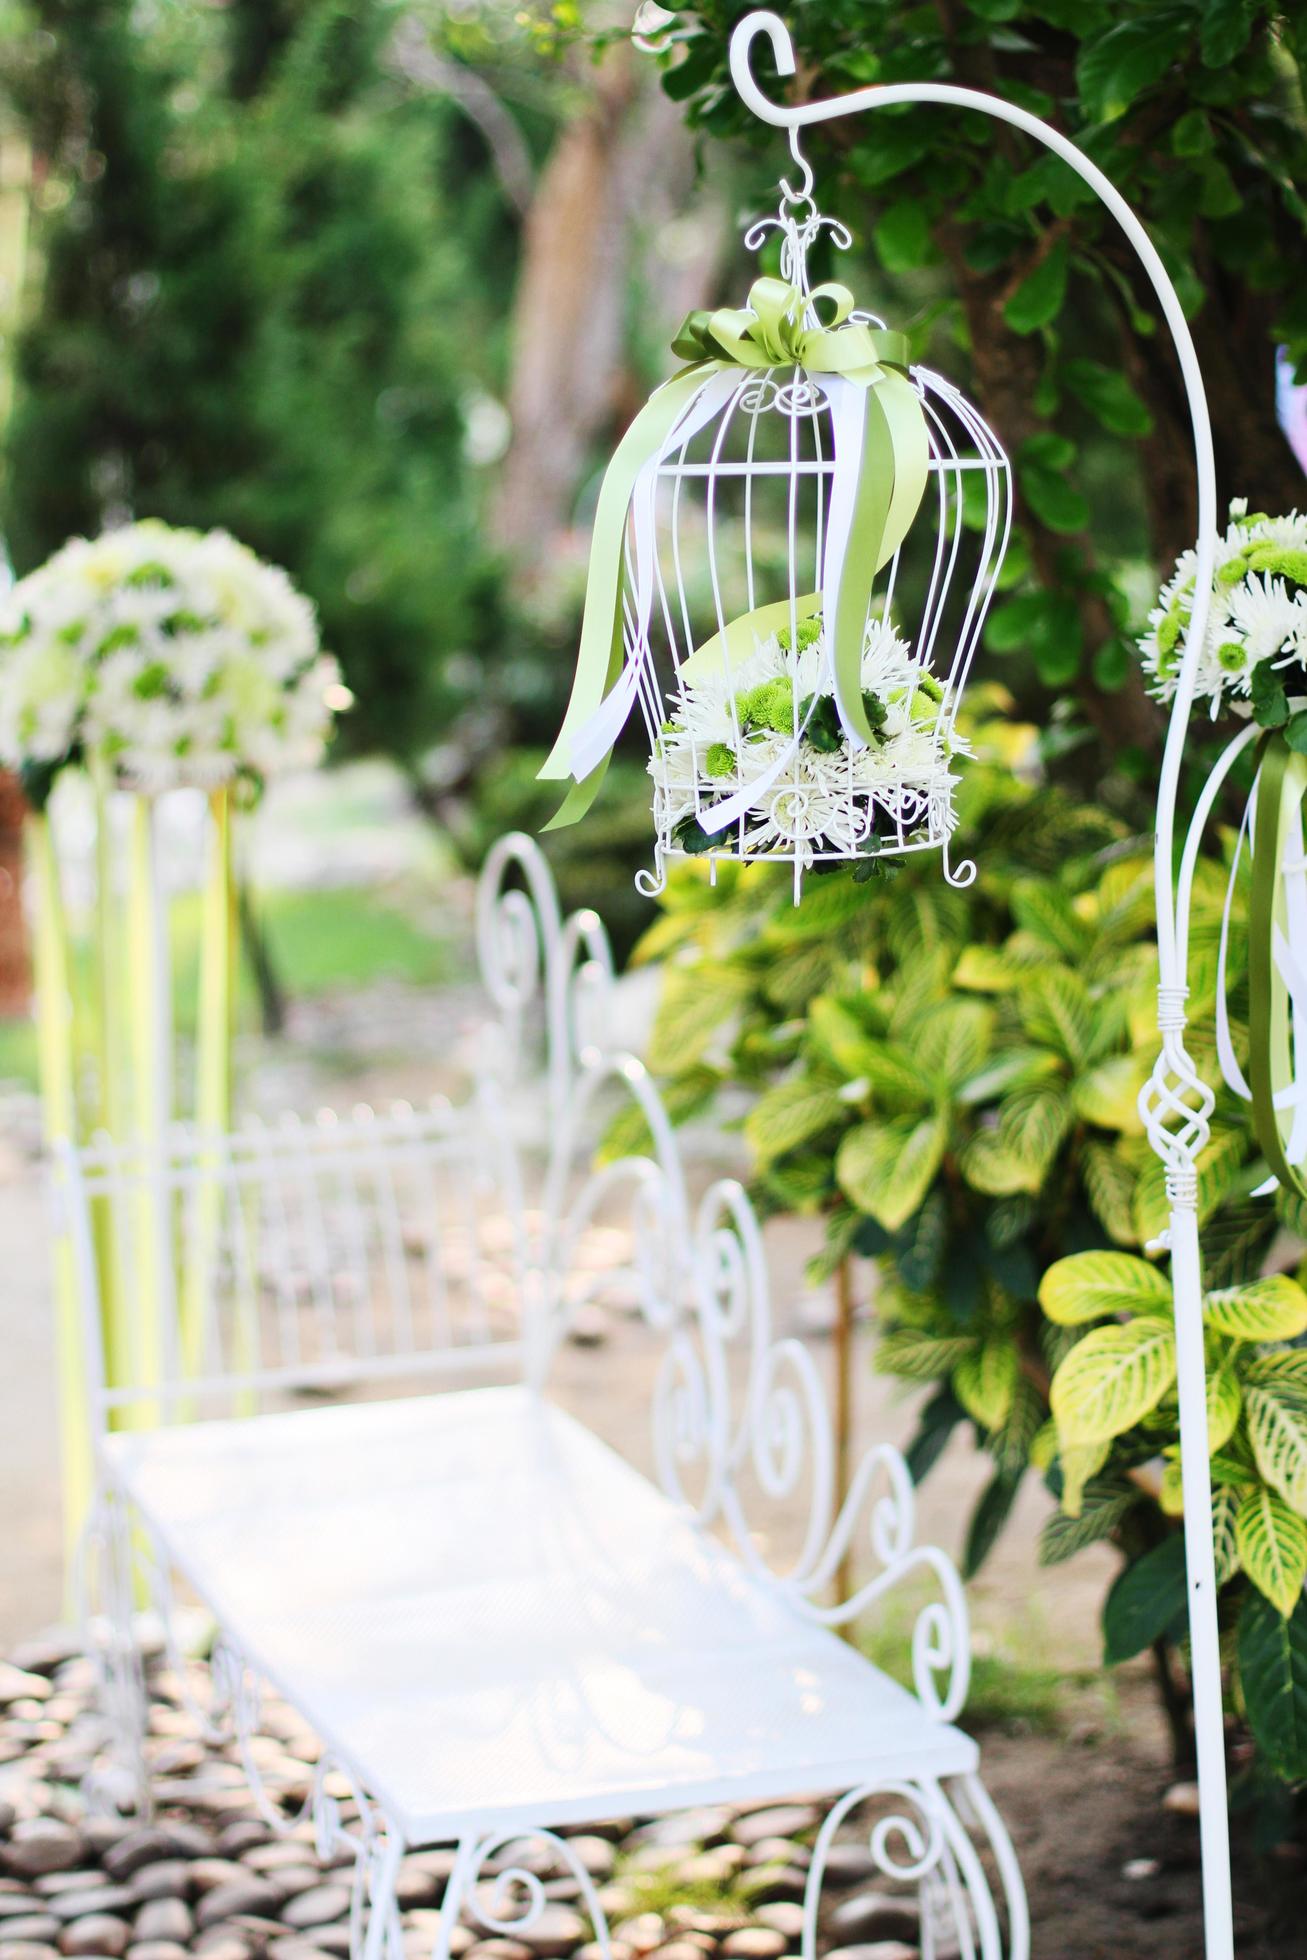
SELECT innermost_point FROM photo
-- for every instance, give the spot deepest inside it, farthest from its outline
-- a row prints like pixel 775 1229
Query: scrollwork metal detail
pixel 499 1912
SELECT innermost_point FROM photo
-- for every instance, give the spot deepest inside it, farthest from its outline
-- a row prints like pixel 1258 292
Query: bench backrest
pixel 322 1254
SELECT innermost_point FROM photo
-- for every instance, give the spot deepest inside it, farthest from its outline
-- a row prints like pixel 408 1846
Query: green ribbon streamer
pixel 1281 783
pixel 770 332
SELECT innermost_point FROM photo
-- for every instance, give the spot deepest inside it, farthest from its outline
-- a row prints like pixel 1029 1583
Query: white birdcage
pixel 742 538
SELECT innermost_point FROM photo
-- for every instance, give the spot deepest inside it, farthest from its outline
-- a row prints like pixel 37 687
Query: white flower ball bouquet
pixel 1256 641
pixel 731 728
pixel 168 656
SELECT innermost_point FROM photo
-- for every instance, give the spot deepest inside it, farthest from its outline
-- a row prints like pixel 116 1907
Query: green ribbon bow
pixel 891 470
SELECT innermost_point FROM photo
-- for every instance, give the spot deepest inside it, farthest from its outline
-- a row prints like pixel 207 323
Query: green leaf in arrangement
pixel 789 1114
pixel 1275 1395
pixel 1147 1599
pixel 1272 1545
pixel 1107 1095
pixel 1093 1285
pixel 1273 1676
pixel 1103 1503
pixel 985 1380
pixel 886 1168
pixel 1108 396
pixel 1270 1309
pixel 1038 299
pixel 1111 1378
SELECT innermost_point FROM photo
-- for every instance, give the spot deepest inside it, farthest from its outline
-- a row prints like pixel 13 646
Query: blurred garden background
pixel 375 286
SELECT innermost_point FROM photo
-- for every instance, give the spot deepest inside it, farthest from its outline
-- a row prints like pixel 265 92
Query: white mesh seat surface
pixel 493 1620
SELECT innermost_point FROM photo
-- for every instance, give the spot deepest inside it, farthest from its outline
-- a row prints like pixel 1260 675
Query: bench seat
pixel 492 1620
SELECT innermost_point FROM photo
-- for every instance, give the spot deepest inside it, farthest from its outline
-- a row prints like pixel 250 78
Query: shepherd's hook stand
pixel 1176 1104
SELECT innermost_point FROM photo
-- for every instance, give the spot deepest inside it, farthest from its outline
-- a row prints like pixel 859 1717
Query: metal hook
pixel 804 194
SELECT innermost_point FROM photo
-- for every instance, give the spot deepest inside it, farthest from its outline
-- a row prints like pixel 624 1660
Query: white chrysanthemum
pixel 1258 608
pixel 825 800
pixel 176 656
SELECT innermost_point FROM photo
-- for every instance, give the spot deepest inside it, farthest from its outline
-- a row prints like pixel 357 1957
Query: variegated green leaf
pixel 985 1380
pixel 1275 1394
pixel 1110 1184
pixel 1101 1507
pixel 1080 1462
pixel 992 1166
pixel 1091 1285
pixel 918 1356
pixel 1272 1545
pixel 1046 912
pixel 789 1113
pixel 1108 1094
pixel 1270 1309
pixel 1224 1403
pixel 1111 1378
pixel 693 1006
pixel 988 970
pixel 886 1168
pixel 1225 1511
pixel 1056 1008
pixel 952 1040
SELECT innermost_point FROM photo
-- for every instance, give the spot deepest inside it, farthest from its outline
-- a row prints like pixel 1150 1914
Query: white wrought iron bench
pixel 496 1625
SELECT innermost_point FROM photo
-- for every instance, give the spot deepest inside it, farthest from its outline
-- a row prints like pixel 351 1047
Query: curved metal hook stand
pixel 1177 1103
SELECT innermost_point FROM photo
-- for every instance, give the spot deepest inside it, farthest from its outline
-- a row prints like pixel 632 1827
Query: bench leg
pixel 503 1913
pixel 919 1838
pixel 103 1585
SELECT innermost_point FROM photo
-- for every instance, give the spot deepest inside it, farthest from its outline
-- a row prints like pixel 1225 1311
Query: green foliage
pixel 952 1079
pixel 1193 109
pixel 250 308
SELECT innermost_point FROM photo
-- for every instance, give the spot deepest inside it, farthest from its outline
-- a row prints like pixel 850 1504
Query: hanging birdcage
pixel 795 549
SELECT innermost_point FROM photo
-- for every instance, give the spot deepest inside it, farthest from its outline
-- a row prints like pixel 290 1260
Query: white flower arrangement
pixel 730 729
pixel 171 656
pixel 1258 621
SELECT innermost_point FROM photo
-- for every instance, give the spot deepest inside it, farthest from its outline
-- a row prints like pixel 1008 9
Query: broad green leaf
pixel 1273 1676
pixel 1170 1496
pixel 1092 1285
pixel 918 1356
pixel 1046 912
pixel 1224 1403
pixel 990 1165
pixel 1058 505
pixel 1079 1465
pixel 1225 1510
pixel 902 236
pixel 1056 1009
pixel 1270 1309
pixel 987 1520
pixel 1018 1068
pixel 985 1380
pixel 1272 1545
pixel 1108 396
pixel 1145 1600
pixel 988 970
pixel 886 1168
pixel 1012 1444
pixel 923 920
pixel 1110 1185
pixel 1275 1395
pixel 1032 1124
pixel 695 1003
pixel 896 1081
pixel 839 1032
pixel 789 1113
pixel 1226 27
pixel 1108 1093
pixel 1038 299
pixel 919 1248
pixel 1102 1505
pixel 1111 1378
pixel 1114 70
pixel 953 1039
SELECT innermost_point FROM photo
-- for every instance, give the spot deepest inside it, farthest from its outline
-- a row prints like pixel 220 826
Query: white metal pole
pixel 1181 1102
